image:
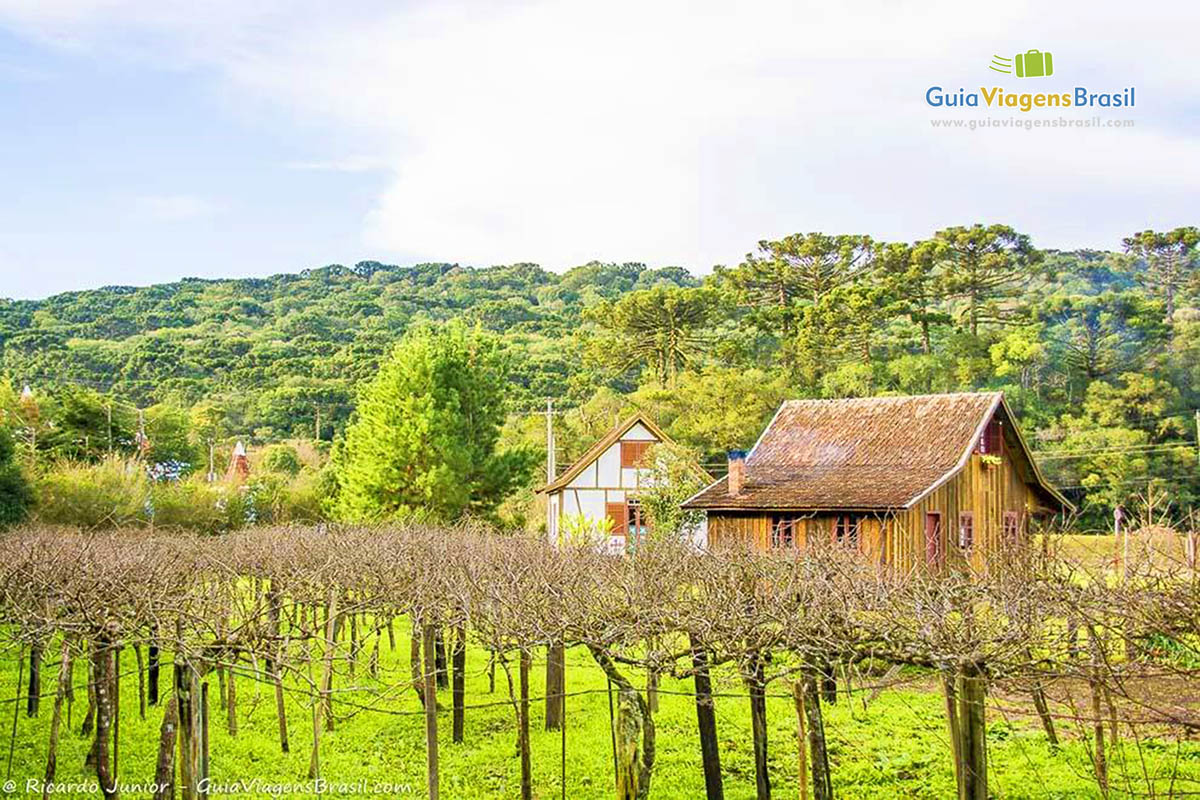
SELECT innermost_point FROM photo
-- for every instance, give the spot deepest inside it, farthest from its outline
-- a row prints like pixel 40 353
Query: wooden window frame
pixel 633 453
pixel 847 530
pixel 781 523
pixel 1011 528
pixel 966 531
pixel 991 441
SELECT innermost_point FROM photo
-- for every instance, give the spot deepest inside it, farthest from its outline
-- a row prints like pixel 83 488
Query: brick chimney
pixel 737 472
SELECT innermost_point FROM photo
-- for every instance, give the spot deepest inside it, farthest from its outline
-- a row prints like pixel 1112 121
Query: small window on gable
pixel 633 453
pixel 991 443
pixel 966 531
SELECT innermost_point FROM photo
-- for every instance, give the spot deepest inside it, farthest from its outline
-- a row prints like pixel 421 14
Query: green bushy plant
pixel 16 496
pixel 109 494
pixel 282 459
pixel 192 504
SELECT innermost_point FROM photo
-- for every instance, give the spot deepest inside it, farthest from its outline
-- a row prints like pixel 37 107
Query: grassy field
pixel 893 746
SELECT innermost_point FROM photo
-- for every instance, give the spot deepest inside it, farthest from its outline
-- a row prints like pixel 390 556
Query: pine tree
pixel 423 442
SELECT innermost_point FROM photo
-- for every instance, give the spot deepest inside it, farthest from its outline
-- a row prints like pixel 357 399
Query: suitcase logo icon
pixel 1030 64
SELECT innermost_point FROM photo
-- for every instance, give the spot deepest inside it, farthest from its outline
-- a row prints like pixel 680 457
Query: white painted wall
pixel 601 482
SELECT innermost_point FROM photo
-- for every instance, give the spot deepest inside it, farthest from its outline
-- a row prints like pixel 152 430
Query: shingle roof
pixel 862 453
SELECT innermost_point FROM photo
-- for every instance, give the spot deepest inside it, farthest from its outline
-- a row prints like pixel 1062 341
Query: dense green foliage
pixel 422 443
pixel 1098 351
pixel 15 494
pixel 116 493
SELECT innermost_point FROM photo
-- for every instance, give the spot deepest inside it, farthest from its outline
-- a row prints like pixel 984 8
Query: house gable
pixel 600 467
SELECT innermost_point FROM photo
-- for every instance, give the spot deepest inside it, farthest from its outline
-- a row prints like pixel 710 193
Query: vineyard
pixel 455 662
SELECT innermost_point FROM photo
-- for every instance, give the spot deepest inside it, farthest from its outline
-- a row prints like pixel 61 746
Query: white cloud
pixel 675 132
pixel 359 163
pixel 171 207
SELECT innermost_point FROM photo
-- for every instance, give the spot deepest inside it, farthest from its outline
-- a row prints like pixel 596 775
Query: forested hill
pixel 1097 350
pixel 295 340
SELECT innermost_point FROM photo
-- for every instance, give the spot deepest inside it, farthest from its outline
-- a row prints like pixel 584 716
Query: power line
pixel 1052 455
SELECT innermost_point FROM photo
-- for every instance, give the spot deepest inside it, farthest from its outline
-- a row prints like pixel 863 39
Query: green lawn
pixel 895 746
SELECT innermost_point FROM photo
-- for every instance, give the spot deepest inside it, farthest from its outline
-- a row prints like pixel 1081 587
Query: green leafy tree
pixel 210 425
pixel 916 281
pixel 783 285
pixel 168 430
pixel 85 425
pixel 674 476
pixel 717 409
pixel 423 440
pixel 283 459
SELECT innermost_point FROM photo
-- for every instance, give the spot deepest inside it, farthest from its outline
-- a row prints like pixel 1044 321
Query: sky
pixel 142 142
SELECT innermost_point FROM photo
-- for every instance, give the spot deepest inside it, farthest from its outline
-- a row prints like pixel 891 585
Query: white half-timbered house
pixel 604 484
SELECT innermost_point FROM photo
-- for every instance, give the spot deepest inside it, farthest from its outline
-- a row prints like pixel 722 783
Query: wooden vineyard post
pixel 64 682
pixel 972 699
pixel 801 737
pixel 706 723
pixel 429 643
pixel 523 734
pixel 458 665
pixel 822 785
pixel 164 773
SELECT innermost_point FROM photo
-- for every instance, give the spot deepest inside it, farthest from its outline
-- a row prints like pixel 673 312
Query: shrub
pixel 15 494
pixel 283 459
pixel 193 505
pixel 109 494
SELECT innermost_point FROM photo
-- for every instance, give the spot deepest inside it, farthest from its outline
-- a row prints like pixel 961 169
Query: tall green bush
pixel 112 493
pixel 16 496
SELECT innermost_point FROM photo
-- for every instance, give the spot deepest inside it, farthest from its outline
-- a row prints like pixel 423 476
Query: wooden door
pixel 933 538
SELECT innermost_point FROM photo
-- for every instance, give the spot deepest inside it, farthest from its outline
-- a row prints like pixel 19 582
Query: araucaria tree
pixel 423 441
pixel 984 266
pixel 1171 259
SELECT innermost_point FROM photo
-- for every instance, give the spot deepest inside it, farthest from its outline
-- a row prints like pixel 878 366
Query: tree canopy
pixel 423 440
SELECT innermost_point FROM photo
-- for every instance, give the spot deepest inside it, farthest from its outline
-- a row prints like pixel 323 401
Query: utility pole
pixel 317 432
pixel 550 465
pixel 1118 516
pixel 142 441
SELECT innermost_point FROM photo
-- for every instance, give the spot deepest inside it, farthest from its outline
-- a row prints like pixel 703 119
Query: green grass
pixel 894 746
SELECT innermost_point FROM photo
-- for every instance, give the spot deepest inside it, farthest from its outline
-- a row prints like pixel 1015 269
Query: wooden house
pixel 599 492
pixel 905 480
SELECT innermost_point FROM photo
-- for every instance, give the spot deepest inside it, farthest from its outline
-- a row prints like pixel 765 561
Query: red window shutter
pixel 632 453
pixel 616 512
